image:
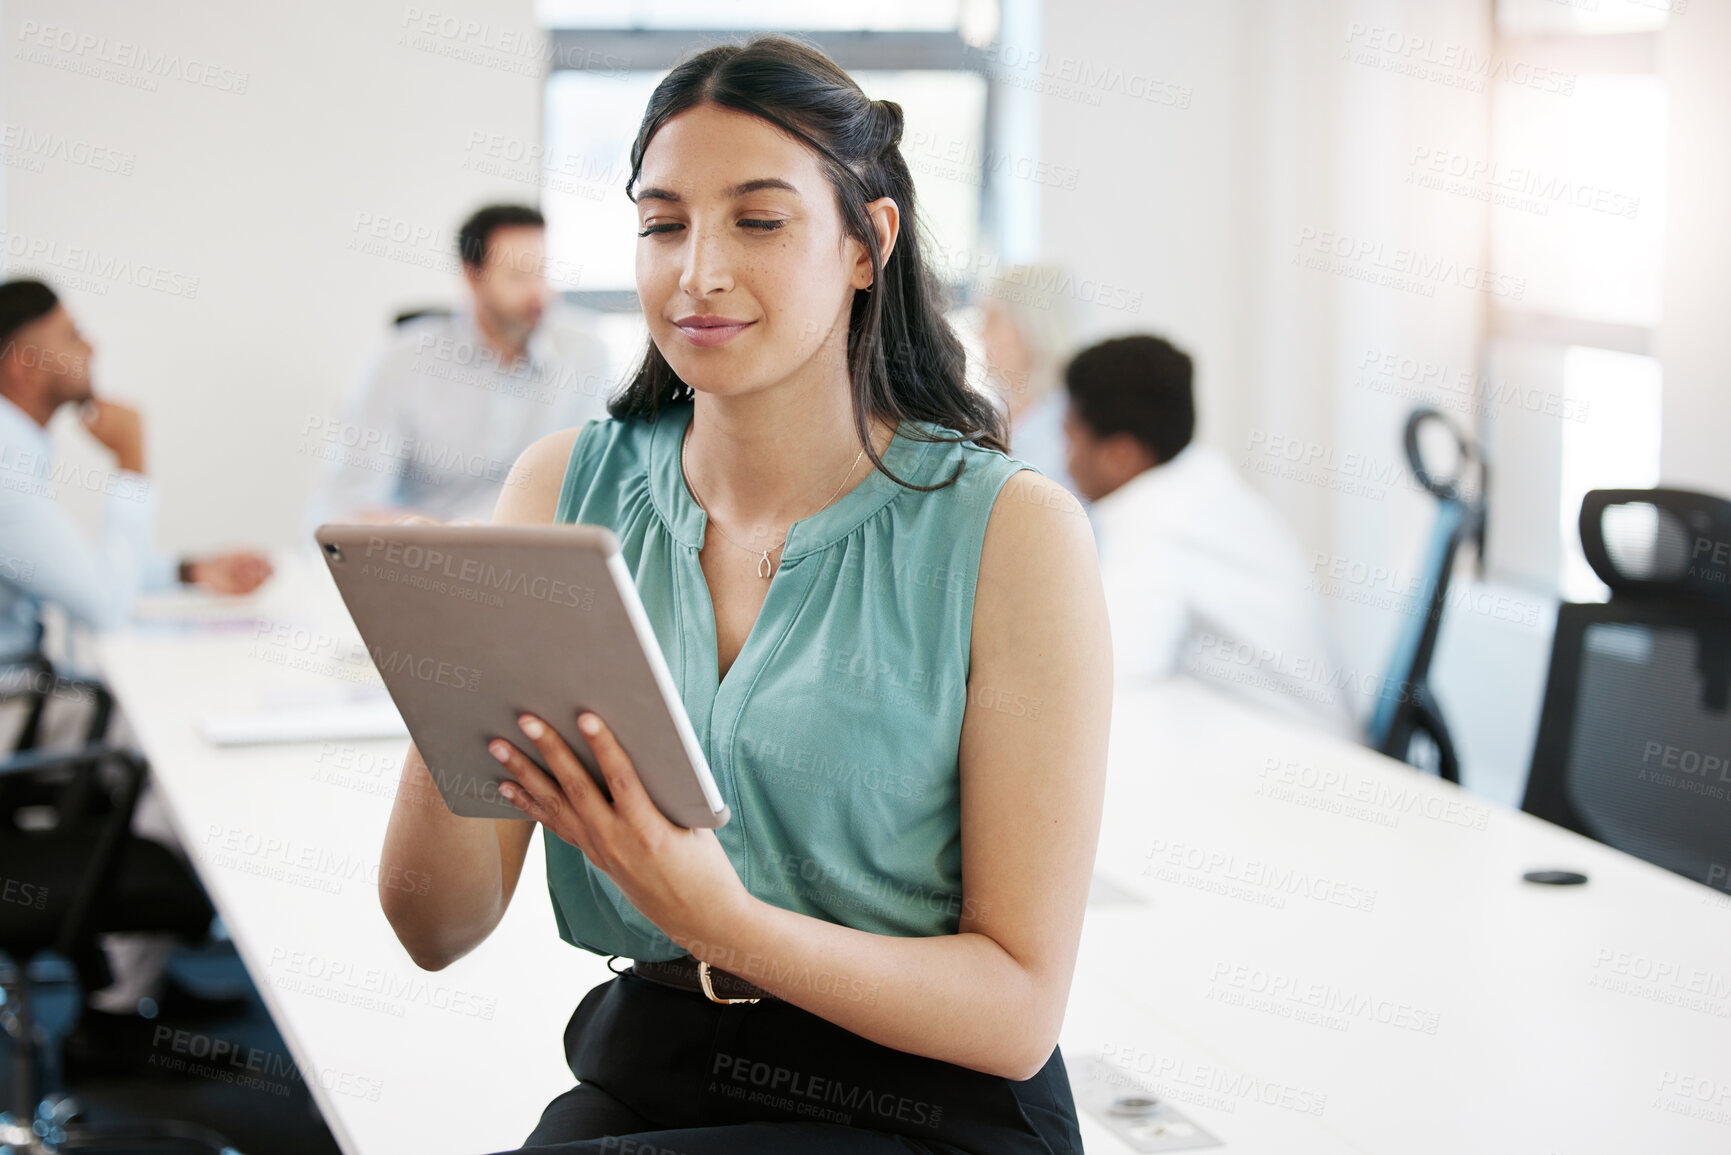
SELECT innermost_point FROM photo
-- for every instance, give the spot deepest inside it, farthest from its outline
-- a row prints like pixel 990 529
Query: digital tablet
pixel 471 626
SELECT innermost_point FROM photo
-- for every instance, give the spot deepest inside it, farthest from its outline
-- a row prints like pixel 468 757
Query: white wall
pixel 1292 132
pixel 1691 341
pixel 345 111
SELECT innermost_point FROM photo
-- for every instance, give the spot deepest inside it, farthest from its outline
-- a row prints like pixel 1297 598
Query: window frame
pixel 657 49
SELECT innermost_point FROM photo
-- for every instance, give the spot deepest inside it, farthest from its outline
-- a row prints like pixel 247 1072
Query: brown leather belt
pixel 687 974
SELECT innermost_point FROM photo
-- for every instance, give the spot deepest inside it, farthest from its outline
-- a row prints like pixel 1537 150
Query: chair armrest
pixel 32 761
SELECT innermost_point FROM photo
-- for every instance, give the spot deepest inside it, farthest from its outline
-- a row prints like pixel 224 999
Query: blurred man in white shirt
pixel 1202 576
pixel 45 557
pixel 438 416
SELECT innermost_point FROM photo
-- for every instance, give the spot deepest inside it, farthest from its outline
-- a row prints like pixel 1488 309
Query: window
pixel 608 55
pixel 1577 210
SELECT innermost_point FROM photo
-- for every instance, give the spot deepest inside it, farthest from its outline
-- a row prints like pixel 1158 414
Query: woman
pixel 1025 338
pixel 893 649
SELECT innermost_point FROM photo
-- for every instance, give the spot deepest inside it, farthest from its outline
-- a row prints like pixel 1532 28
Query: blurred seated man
pixel 44 556
pixel 437 418
pixel 1202 577
pixel 1025 336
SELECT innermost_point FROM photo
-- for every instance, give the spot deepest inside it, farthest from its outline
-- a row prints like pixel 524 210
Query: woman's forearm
pixel 444 881
pixel 960 998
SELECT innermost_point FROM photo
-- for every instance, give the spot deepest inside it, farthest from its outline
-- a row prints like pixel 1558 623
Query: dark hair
pixel 904 361
pixel 472 238
pixel 22 302
pixel 1135 385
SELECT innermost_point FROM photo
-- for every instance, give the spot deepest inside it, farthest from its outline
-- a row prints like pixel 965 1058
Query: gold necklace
pixel 764 569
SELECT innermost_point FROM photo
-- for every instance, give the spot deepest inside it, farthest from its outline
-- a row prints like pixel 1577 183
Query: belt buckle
pixel 709 991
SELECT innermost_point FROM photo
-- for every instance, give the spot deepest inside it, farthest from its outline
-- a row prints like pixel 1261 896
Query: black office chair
pixel 30 678
pixel 1634 744
pixel 66 855
pixel 1407 723
pixel 408 315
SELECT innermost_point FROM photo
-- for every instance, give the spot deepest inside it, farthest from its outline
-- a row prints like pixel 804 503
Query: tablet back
pixel 471 626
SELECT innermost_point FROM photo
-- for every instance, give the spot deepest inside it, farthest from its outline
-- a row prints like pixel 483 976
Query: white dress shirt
pixel 46 557
pixel 1204 579
pixel 436 420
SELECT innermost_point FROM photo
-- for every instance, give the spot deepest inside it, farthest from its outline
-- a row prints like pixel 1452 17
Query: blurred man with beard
pixel 439 416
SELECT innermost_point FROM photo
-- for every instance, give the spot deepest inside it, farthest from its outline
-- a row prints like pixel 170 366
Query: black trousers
pixel 667 1072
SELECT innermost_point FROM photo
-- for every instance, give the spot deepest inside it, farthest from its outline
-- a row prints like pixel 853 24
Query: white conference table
pixel 1298 944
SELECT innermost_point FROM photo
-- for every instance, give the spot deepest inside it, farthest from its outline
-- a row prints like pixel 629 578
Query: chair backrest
pixel 407 315
pixel 1634 743
pixel 62 825
pixel 1406 706
pixel 1415 643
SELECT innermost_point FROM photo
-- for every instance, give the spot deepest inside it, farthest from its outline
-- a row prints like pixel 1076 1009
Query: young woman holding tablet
pixel 894 650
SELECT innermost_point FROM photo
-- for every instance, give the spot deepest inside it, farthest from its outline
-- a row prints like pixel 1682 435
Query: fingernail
pixel 500 750
pixel 508 792
pixel 589 724
pixel 530 726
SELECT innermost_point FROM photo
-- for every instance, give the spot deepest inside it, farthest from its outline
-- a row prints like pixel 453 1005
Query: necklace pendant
pixel 763 566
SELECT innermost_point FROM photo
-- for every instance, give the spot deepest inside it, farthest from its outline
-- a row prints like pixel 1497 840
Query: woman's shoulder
pixel 984 474
pixel 557 469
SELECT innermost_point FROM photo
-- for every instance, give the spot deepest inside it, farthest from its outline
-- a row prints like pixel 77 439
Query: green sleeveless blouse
pixel 834 737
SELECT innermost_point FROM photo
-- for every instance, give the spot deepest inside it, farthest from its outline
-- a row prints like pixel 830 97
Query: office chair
pixel 1406 715
pixel 31 678
pixel 408 315
pixel 65 851
pixel 1634 742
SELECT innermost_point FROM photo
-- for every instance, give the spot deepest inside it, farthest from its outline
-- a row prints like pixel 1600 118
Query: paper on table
pixel 348 720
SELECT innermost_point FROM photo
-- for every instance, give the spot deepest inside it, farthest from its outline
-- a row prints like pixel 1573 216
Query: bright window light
pixel 1616 447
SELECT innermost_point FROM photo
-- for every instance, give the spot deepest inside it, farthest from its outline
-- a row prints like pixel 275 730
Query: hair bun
pixel 889 123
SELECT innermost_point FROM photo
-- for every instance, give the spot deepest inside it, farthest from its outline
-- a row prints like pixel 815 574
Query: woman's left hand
pixel 681 880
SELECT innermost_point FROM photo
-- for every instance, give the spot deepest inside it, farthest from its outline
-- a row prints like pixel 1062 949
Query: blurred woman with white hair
pixel 1025 338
